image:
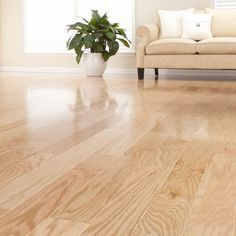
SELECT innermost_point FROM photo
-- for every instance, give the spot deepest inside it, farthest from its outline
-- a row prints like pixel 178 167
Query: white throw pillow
pixel 171 22
pixel 197 26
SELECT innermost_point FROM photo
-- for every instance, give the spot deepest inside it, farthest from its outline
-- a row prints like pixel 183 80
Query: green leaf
pixel 95 15
pixel 104 16
pixel 110 35
pixel 78 58
pixel 115 25
pixel 76 25
pixel 97 35
pixel 98 48
pixel 125 42
pixel 104 20
pixel 78 49
pixel 68 42
pixel 113 47
pixel 88 41
pixel 85 20
pixel 93 22
pixel 74 42
pixel 121 32
pixel 106 55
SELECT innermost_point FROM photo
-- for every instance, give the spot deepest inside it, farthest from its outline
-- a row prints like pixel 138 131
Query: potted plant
pixel 100 37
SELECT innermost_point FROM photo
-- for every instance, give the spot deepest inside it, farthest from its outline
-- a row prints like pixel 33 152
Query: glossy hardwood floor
pixel 117 156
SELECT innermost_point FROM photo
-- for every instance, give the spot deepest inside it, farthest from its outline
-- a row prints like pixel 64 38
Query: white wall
pixel 12 32
pixel 146 9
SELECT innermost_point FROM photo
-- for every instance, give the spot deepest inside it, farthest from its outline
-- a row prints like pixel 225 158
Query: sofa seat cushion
pixel 219 45
pixel 171 46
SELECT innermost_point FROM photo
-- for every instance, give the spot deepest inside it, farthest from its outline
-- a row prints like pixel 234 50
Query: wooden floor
pixel 117 157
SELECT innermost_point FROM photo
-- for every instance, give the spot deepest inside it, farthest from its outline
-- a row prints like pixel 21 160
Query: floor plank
pixel 55 227
pixel 214 208
pixel 2 212
pixel 22 167
pixel 117 189
pixel 17 191
pixel 39 207
pixel 171 205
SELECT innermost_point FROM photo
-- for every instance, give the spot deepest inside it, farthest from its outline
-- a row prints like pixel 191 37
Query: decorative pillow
pixel 197 26
pixel 170 22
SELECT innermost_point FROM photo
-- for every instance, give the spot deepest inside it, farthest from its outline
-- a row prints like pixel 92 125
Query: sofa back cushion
pixel 170 22
pixel 223 22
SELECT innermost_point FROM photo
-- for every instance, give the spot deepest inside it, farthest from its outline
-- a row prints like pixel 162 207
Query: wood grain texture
pixel 214 208
pixel 55 227
pixel 32 182
pixel 34 210
pixel 92 198
pixel 152 166
pixel 22 167
pixel 235 222
pixel 171 205
pixel 116 156
pixel 2 212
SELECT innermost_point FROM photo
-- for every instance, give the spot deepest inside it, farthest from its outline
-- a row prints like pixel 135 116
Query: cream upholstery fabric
pixel 196 61
pixel 171 46
pixel 170 22
pixel 223 22
pixel 220 45
pixel 148 33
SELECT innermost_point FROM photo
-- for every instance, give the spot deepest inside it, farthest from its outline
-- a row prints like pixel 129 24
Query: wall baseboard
pixel 127 71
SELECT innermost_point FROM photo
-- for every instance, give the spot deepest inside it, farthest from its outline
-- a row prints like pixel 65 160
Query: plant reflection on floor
pixel 93 92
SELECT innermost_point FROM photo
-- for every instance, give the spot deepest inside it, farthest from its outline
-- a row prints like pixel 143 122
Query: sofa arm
pixel 148 33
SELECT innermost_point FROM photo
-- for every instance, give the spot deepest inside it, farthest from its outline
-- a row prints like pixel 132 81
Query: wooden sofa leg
pixel 156 73
pixel 140 73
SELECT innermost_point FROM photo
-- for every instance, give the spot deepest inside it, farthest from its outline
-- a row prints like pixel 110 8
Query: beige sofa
pixel 218 52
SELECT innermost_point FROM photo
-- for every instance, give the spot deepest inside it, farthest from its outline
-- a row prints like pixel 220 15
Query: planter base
pixel 94 64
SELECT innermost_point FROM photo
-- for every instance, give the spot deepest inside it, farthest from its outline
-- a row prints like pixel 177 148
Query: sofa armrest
pixel 148 33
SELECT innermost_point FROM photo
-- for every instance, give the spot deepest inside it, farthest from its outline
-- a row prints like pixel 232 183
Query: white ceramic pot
pixel 94 64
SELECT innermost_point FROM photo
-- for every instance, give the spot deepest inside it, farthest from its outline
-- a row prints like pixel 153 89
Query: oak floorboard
pixel 16 153
pixel 171 205
pixel 112 147
pixel 68 142
pixel 22 151
pixel 116 119
pixel 163 114
pixel 39 128
pixel 56 227
pixel 25 165
pixel 64 130
pixel 52 191
pixel 18 190
pixel 39 207
pixel 87 124
pixel 145 169
pixel 42 171
pixel 2 212
pixel 136 133
pixel 213 210
pixel 22 167
pixel 235 222
pixel 11 126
